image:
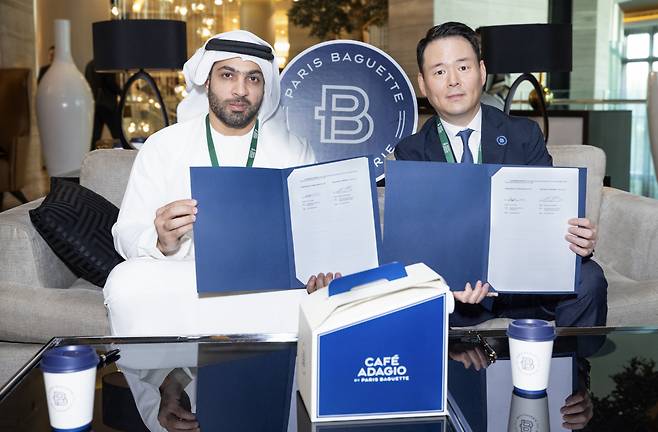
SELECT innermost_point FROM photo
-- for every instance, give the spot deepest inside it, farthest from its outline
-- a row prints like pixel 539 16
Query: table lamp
pixel 123 45
pixel 526 48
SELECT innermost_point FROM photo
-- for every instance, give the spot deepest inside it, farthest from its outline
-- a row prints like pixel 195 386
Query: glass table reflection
pixel 246 383
pixel 245 386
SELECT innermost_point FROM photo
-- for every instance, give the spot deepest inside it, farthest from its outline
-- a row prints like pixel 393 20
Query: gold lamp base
pixel 533 98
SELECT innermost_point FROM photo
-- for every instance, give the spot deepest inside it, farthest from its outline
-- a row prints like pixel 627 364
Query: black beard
pixel 232 119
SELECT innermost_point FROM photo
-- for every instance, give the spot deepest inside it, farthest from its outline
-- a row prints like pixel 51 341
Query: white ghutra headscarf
pixel 238 43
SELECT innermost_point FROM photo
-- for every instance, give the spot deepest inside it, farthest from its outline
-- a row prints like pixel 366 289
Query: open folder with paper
pixel 501 224
pixel 263 229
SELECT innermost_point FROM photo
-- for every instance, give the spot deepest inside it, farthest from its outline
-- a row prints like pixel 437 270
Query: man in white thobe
pixel 229 118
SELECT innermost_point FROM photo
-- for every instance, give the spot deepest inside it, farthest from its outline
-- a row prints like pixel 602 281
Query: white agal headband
pixel 240 44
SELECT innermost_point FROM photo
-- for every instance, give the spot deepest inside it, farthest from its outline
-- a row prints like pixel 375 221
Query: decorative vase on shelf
pixel 65 109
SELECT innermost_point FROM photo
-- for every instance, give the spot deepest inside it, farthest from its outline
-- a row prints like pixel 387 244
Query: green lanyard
pixel 211 145
pixel 445 143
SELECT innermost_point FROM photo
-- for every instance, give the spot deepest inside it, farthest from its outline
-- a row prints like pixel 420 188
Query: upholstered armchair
pixel 14 130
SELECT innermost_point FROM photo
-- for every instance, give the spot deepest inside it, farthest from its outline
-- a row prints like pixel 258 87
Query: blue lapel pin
pixel 501 140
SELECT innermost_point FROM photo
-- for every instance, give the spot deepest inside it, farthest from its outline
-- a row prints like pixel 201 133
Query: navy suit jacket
pixel 505 140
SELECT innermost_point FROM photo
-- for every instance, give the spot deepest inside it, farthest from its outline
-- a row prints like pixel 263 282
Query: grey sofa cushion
pixel 630 302
pixel 628 235
pixel 29 314
pixel 25 257
pixel 106 172
pixel 590 157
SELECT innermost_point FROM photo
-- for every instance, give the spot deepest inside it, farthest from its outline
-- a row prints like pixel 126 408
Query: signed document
pixel 261 229
pixel 530 208
pixel 331 215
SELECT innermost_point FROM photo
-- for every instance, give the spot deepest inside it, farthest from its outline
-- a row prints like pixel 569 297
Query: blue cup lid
pixel 534 330
pixel 530 394
pixel 70 358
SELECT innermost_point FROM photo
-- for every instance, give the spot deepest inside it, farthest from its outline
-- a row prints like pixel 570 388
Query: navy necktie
pixel 467 157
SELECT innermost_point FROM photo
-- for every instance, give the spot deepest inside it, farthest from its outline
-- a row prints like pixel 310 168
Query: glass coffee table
pixel 601 379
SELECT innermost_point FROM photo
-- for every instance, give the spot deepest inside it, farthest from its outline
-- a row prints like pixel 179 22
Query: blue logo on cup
pixel 348 99
pixel 501 140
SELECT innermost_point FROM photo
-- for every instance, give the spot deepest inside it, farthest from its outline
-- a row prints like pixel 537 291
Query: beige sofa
pixel 41 298
pixel 627 248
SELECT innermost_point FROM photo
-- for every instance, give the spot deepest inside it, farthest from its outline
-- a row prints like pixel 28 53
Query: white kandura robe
pixel 152 294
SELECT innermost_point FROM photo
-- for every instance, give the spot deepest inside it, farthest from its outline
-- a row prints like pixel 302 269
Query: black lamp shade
pixel 523 48
pixel 139 44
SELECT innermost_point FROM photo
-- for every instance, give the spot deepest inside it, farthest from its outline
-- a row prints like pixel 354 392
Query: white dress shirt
pixel 473 141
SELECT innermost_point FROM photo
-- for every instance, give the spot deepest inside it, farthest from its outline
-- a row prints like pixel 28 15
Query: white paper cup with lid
pixel 69 374
pixel 531 350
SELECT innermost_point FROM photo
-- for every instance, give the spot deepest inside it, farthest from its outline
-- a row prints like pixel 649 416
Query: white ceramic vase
pixel 652 116
pixel 65 109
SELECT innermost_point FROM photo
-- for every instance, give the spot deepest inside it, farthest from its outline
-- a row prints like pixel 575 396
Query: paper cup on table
pixel 69 374
pixel 531 349
pixel 528 414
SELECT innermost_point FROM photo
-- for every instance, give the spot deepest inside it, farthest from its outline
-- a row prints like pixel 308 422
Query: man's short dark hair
pixel 449 29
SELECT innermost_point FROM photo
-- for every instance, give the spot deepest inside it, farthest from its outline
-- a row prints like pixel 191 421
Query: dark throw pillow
pixel 76 223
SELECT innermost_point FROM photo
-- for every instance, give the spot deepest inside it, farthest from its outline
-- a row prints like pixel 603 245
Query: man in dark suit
pixel 451 76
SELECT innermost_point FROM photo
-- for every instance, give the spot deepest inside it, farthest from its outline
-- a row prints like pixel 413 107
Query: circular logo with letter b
pixel 348 99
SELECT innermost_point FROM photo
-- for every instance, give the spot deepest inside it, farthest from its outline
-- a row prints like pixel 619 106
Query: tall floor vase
pixel 652 117
pixel 65 109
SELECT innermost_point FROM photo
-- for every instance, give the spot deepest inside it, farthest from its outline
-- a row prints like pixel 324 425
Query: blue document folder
pixel 439 214
pixel 246 388
pixel 243 235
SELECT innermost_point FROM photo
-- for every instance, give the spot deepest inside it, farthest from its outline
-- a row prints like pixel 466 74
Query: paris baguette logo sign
pixel 348 99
